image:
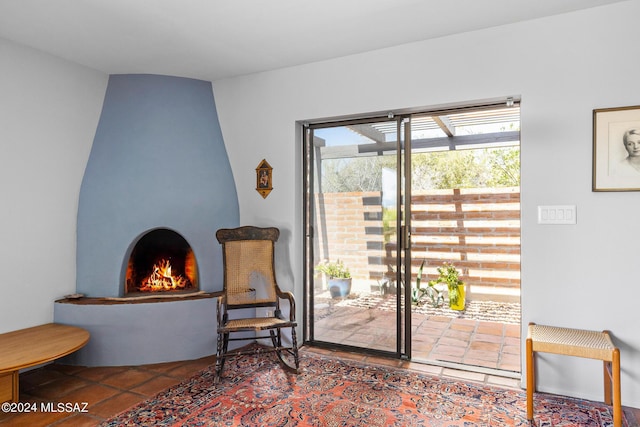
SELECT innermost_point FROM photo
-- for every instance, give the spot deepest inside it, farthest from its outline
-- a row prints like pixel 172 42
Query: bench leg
pixel 531 379
pixel 617 396
pixel 9 388
pixel 16 386
pixel 608 379
pixel 612 387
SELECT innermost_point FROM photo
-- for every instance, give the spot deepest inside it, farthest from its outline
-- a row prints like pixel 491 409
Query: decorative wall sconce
pixel 264 184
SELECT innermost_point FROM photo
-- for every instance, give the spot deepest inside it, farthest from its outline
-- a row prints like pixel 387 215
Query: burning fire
pixel 162 279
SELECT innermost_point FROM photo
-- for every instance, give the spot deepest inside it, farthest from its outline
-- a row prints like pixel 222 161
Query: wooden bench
pixel 33 346
pixel 580 343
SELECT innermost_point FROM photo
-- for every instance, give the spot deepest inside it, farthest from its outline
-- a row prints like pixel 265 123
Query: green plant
pixel 334 270
pixel 448 274
pixel 418 292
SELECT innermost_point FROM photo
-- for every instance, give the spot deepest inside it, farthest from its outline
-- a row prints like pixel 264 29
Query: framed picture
pixel 616 149
pixel 264 178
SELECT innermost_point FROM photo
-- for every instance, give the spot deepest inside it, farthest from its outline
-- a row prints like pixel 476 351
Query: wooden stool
pixel 580 343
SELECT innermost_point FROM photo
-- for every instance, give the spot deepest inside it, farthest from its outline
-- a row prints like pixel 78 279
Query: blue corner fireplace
pixel 157 186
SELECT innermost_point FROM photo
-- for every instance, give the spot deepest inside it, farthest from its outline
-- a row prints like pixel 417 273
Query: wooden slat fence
pixel 476 229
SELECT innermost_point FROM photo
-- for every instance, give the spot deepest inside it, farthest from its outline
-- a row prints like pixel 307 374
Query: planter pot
pixel 458 301
pixel 339 288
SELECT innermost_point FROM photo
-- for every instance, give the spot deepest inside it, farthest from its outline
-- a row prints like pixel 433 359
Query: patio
pixel 483 337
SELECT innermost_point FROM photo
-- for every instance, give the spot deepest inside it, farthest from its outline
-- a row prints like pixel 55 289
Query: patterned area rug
pixel 255 391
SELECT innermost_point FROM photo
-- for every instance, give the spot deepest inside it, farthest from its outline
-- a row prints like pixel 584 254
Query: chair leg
pixel 225 348
pixel 531 379
pixel 221 352
pixel 275 340
pixel 294 341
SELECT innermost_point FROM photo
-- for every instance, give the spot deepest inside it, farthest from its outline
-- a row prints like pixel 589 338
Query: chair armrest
pixel 292 302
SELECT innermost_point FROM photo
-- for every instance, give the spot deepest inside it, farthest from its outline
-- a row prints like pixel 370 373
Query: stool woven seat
pixel 579 343
pixel 572 342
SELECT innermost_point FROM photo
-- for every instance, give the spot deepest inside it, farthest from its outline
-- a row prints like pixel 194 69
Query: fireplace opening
pixel 161 261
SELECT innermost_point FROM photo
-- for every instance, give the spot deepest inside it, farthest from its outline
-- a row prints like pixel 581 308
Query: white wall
pixel 563 67
pixel 49 110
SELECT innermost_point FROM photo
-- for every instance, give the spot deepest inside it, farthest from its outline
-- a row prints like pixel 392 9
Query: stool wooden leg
pixel 531 380
pixel 617 397
pixel 608 379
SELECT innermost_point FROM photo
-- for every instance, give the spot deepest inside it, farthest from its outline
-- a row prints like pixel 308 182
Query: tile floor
pixel 106 390
pixel 436 338
pixel 470 342
pixel 111 390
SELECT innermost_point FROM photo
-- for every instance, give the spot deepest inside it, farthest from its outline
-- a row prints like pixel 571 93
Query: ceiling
pixel 215 39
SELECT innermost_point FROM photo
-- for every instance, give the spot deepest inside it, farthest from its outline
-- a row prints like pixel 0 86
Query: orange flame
pixel 162 279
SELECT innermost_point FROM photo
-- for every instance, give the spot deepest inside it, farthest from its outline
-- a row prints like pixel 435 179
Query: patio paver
pixel 439 336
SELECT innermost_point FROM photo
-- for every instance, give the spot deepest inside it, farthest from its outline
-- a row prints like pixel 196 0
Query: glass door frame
pixel 495 138
pixel 403 249
pixel 404 203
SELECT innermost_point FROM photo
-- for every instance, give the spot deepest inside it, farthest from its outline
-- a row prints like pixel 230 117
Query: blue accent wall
pixel 158 160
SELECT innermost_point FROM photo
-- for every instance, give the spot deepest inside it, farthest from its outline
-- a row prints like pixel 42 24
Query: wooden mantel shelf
pixel 148 298
pixel 31 347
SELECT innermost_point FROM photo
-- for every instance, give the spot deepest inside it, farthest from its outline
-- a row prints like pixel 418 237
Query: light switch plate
pixel 557 214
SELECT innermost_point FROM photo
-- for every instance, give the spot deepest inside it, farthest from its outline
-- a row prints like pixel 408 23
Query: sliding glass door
pixel 392 200
pixel 354 223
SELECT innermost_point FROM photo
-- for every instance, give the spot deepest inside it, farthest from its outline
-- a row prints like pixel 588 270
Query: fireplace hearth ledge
pixel 125 333
pixel 155 295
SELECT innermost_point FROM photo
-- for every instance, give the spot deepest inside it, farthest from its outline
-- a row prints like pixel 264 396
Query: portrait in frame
pixel 264 177
pixel 616 149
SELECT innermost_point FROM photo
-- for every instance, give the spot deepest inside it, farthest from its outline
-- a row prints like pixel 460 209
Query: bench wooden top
pixel 39 344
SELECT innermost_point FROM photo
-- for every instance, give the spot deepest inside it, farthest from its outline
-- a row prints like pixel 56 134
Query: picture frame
pixel 264 178
pixel 616 149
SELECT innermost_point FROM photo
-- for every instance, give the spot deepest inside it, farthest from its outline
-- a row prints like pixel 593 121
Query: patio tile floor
pixel 437 338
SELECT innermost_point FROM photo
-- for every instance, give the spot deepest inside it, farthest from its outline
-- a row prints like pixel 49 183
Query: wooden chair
pixel 250 284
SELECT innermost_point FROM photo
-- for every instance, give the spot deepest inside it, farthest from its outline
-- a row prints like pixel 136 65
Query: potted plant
pixel 448 275
pixel 339 277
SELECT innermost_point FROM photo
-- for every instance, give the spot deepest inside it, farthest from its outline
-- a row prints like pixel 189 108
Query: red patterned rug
pixel 255 391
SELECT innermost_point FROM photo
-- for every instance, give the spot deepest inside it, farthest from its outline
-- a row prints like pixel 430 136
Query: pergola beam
pixel 368 132
pixel 432 144
pixel 445 124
